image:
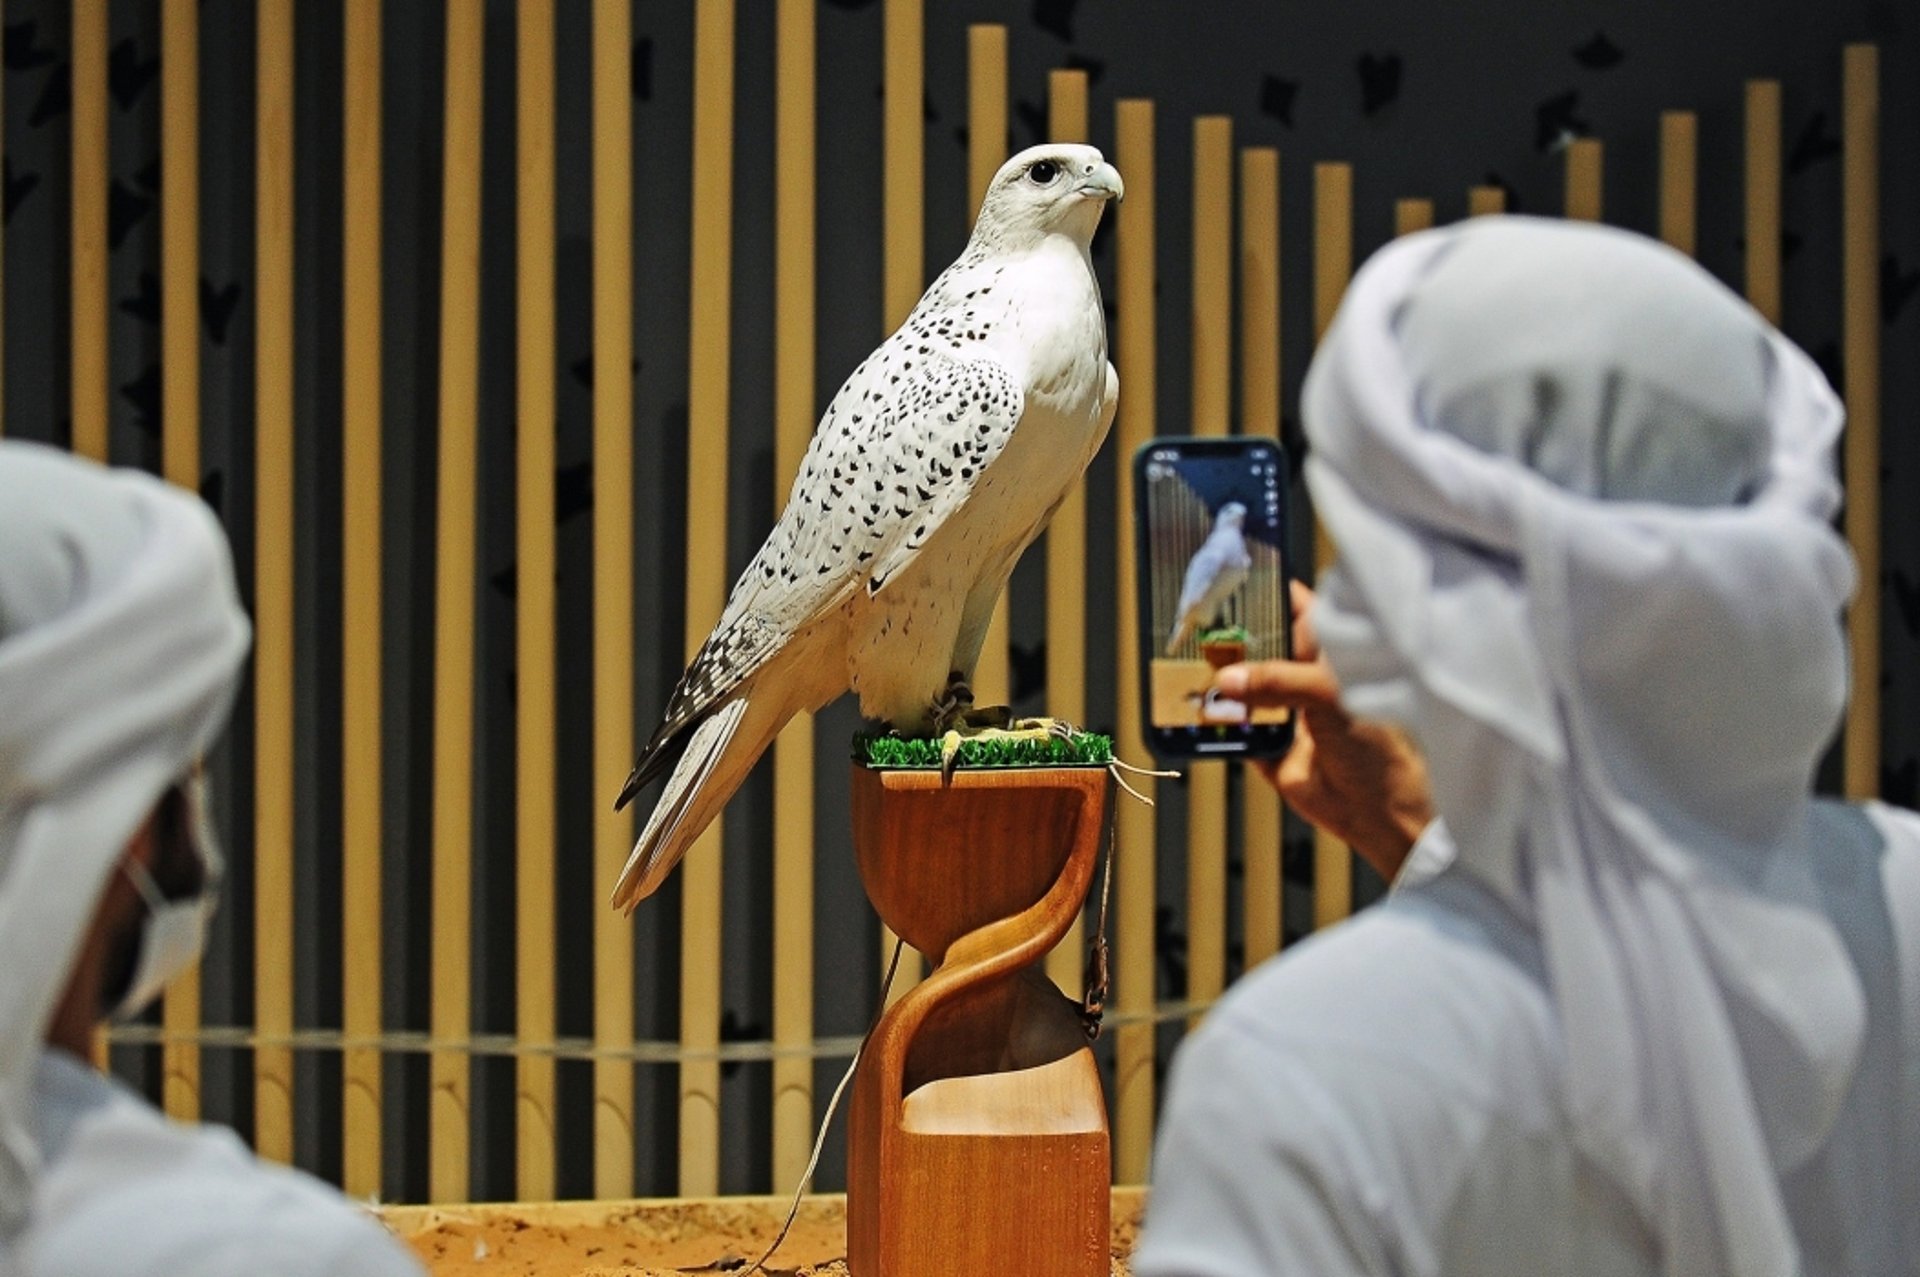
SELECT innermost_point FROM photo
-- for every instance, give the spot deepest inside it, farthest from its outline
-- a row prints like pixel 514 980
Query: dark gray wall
pixel 1475 92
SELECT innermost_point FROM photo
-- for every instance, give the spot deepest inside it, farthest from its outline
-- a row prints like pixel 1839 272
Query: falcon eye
pixel 1043 172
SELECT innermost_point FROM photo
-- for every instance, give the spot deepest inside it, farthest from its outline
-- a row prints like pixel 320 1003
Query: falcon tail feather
pixel 661 754
pixel 694 794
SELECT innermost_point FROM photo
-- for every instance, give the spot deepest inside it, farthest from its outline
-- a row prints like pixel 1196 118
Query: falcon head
pixel 1232 515
pixel 1056 189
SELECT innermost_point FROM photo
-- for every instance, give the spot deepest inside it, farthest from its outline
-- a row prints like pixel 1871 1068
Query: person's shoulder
pixel 1438 985
pixel 135 1193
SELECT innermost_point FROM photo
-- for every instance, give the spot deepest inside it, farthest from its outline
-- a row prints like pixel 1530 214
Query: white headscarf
pixel 1581 496
pixel 121 639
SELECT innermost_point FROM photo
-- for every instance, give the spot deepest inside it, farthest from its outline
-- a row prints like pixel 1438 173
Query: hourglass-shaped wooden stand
pixel 978 1130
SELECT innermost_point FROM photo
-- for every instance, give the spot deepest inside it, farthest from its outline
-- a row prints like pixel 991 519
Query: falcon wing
pixel 898 451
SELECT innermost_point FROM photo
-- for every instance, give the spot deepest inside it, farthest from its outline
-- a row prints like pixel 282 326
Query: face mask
pixel 176 930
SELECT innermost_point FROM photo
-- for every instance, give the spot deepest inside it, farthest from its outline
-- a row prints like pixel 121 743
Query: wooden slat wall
pixel 986 152
pixel 1583 197
pixel 707 581
pixel 180 410
pixel 1260 416
pixel 613 727
pixel 453 612
pixel 1679 167
pixel 1133 939
pixel 1211 412
pixel 1860 355
pixel 360 611
pixel 273 640
pixel 793 754
pixel 534 603
pixel 89 219
pixel 903 249
pixel 1332 267
pixel 1763 197
pixel 1066 551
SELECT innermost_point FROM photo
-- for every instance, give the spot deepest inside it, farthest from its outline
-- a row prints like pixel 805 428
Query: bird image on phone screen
pixel 1212 559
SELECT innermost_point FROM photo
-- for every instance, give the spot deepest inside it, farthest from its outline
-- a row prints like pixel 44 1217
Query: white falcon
pixel 937 463
pixel 1216 570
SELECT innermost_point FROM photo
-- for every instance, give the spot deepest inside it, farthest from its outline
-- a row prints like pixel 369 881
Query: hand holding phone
pixel 1211 525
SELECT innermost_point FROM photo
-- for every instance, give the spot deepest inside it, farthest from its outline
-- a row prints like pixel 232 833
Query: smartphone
pixel 1210 516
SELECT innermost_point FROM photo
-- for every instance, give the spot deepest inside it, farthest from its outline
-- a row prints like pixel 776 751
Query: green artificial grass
pixel 1082 749
pixel 1231 634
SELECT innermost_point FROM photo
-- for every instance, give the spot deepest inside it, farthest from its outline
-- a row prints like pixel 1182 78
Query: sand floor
pixel 656 1238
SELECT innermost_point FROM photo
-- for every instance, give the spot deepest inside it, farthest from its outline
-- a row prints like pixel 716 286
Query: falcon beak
pixel 1102 183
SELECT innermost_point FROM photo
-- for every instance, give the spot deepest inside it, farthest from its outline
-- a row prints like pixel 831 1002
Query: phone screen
pixel 1212 525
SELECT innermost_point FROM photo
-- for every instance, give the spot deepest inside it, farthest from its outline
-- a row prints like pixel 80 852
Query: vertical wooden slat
pixel 360 596
pixel 1412 215
pixel 793 408
pixel 273 641
pixel 1133 943
pixel 706 567
pixel 986 109
pixel 534 604
pixel 986 152
pixel 613 731
pixel 1485 201
pixel 1332 267
pixel 1584 197
pixel 1679 179
pixel 453 612
pixel 1066 551
pixel 180 410
pixel 903 263
pixel 1860 356
pixel 1763 197
pixel 1260 417
pixel 1211 410
pixel 89 355
pixel 903 134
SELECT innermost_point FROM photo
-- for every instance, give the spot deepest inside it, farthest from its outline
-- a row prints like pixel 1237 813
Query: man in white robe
pixel 1638 1003
pixel 121 641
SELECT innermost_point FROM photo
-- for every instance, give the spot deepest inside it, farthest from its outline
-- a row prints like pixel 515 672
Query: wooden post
pixel 1860 355
pixel 1260 417
pixel 1332 267
pixel 1212 396
pixel 793 753
pixel 613 733
pixel 89 160
pixel 903 265
pixel 456 534
pixel 1679 166
pixel 707 415
pixel 1763 198
pixel 1412 215
pixel 273 573
pixel 1584 201
pixel 986 152
pixel 1066 551
pixel 1486 201
pixel 360 611
pixel 180 414
pixel 1133 943
pixel 984 1061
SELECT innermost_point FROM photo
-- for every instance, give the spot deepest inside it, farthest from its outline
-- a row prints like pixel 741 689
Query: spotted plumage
pixel 936 464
